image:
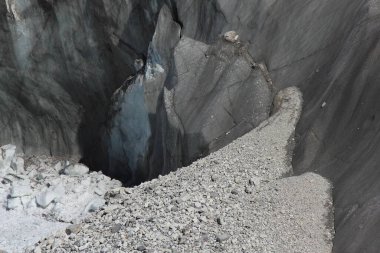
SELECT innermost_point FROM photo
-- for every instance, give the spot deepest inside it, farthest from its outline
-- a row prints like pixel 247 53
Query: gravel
pixel 237 199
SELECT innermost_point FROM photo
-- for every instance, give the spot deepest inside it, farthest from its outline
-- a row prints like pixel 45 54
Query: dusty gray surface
pixel 231 201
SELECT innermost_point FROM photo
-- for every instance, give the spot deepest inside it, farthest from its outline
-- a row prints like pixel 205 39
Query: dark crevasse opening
pixel 60 64
pixel 70 86
pixel 174 112
pixel 69 72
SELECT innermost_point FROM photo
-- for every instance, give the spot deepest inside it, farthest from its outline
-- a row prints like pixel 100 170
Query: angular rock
pixel 28 202
pixel 14 203
pixel 58 166
pixel 49 195
pixel 45 198
pixel 20 190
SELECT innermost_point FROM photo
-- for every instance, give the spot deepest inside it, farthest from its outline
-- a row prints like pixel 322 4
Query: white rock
pixel 37 250
pixel 7 153
pixel 20 190
pixel 52 194
pixel 31 204
pixel 58 166
pixel 45 198
pixel 27 201
pixel 17 164
pixel 76 170
pixel 59 189
pixel 14 203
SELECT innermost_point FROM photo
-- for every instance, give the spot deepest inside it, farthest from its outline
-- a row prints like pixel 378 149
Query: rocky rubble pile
pixel 63 191
pixel 35 190
pixel 235 200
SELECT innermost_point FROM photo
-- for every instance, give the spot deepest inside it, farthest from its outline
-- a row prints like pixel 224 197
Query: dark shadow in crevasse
pixel 117 64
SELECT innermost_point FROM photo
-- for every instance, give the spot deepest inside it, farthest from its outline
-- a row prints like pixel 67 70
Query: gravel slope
pixel 235 200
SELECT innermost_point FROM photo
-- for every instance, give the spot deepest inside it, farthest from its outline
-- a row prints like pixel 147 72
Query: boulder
pixel 20 190
pixel 76 170
pixel 45 198
pixel 14 203
pixel 231 36
pixel 49 195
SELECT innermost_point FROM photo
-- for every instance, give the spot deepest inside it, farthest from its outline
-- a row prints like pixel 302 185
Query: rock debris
pixel 206 207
